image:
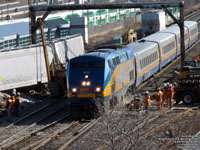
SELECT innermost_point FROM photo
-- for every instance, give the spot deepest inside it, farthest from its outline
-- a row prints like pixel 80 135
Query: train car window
pixel 141 64
pixel 185 36
pixel 153 57
pixel 131 74
pixel 179 41
pixel 95 64
pixel 168 47
pixel 114 62
pixel 156 56
pixel 123 58
pixel 75 65
pixel 109 63
pixel 126 55
pixel 145 62
pixel 193 31
pixel 118 60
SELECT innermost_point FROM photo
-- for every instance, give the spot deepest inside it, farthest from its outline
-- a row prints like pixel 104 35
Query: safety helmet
pixel 165 84
pixel 170 85
pixel 14 90
pixel 13 94
pixel 18 94
pixel 5 97
pixel 158 89
pixel 175 83
pixel 147 92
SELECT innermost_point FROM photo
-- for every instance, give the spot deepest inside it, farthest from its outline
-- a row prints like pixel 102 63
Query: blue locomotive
pixel 101 75
pixel 105 74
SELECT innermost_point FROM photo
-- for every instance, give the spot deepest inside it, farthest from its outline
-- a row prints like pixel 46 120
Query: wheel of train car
pixel 188 98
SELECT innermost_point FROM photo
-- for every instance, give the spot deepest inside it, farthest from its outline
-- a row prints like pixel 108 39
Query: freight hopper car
pixel 100 76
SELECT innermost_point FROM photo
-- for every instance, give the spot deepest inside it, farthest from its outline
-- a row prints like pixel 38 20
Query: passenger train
pixel 106 73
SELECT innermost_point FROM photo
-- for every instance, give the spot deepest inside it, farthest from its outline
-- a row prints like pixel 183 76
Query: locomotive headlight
pixel 83 83
pixel 98 89
pixel 74 90
pixel 88 83
pixel 86 76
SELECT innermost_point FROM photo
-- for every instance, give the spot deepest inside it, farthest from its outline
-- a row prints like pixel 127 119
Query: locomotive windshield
pixel 95 64
pixel 77 65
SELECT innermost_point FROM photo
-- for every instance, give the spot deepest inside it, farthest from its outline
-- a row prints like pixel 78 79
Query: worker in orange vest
pixel 159 98
pixel 147 101
pixel 164 96
pixel 170 95
pixel 10 107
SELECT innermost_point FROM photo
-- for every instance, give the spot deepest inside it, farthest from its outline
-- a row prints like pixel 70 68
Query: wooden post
pixel 45 49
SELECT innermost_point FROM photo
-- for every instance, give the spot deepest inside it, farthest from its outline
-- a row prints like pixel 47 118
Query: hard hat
pixel 18 94
pixel 147 92
pixel 175 83
pixel 6 96
pixel 170 85
pixel 158 89
pixel 165 84
pixel 14 91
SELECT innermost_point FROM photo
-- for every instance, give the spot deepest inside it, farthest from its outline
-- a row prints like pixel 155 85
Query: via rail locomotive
pixel 105 74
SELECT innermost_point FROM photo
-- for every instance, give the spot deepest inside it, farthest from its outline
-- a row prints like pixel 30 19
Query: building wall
pixel 94 31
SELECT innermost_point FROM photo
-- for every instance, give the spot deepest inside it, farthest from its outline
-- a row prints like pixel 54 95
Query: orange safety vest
pixel 147 101
pixel 159 96
pixel 11 103
pixel 171 93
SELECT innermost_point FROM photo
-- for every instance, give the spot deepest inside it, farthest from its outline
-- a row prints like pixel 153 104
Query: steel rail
pixel 141 125
pixel 191 15
pixel 28 127
pixel 80 133
pixel 47 139
pixel 27 116
pixel 35 132
pixel 150 133
pixel 163 125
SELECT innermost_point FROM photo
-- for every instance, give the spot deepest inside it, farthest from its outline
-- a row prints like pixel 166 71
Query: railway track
pixel 30 133
pixel 39 133
pixel 62 138
pixel 193 15
pixel 27 124
pixel 148 128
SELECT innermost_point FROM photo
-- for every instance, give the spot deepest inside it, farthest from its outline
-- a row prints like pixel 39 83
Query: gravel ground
pixel 6 133
pixel 42 134
pixel 63 137
pixel 120 121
